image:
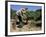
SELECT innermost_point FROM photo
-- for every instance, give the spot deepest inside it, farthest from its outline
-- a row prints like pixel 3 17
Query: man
pixel 21 15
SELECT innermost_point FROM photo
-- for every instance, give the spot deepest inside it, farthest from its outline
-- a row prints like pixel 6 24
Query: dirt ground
pixel 25 28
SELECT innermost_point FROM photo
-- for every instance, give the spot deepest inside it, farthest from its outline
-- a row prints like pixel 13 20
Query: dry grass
pixel 25 28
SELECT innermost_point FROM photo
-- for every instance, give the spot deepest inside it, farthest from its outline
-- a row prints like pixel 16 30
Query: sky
pixel 32 8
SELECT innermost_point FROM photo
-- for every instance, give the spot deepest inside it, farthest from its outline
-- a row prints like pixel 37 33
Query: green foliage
pixel 13 13
pixel 32 15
